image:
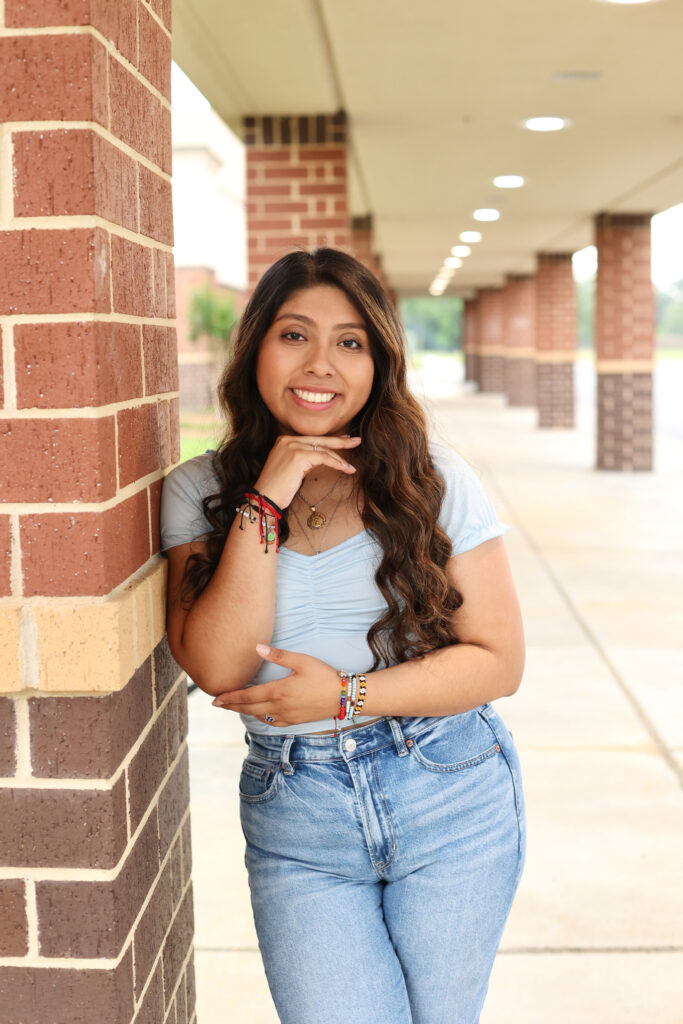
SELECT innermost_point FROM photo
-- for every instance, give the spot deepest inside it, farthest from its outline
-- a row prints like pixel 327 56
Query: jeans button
pixel 349 746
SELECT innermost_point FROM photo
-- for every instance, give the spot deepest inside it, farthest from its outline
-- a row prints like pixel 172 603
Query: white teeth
pixel 314 396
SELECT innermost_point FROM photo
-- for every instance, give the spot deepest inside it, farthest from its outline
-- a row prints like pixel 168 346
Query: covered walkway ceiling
pixel 435 91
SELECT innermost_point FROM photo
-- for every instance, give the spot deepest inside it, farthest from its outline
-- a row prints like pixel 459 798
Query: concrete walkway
pixel 596 933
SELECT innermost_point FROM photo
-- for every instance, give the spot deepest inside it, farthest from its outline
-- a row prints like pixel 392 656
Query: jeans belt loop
pixel 287 766
pixel 397 733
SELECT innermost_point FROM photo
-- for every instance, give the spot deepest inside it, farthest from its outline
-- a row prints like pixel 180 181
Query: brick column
pixel 555 339
pixel 297 194
pixel 519 306
pixel 469 339
pixel 624 339
pixel 363 246
pixel 95 891
pixel 490 340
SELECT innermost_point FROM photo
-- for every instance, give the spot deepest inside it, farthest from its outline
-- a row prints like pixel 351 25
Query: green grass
pixel 198 431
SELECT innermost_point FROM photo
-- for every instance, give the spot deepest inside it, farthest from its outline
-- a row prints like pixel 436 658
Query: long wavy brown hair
pixel 400 487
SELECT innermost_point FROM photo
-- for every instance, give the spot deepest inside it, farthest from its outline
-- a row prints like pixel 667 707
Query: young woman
pixel 342 584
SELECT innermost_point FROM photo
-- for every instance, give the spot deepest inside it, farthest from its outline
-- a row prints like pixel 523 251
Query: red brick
pixel 148 769
pixel 270 225
pixel 116 21
pixel 327 223
pixel 187 851
pixel 322 190
pixel 5 545
pixel 144 441
pixel 323 153
pixel 72 459
pixel 174 801
pixel 190 989
pixel 53 78
pixel 170 285
pixel 283 207
pixel 7 736
pixel 156 206
pixel 269 190
pixel 151 929
pixel 70 365
pixel 138 117
pixel 14 931
pixel 132 275
pixel 54 271
pixel 177 944
pixel 84 553
pixel 75 828
pixel 71 172
pixel 174 413
pixel 286 172
pixel 163 9
pixel 93 919
pixel 155 52
pixel 160 277
pixel 154 505
pixel 152 1009
pixel 166 671
pixel 112 724
pixel 67 995
pixel 161 359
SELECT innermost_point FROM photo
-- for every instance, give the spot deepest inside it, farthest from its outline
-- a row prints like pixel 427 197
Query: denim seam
pixel 457 766
pixel 515 784
pixel 385 864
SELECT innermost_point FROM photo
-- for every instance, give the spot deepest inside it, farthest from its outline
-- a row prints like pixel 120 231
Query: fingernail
pixel 218 703
pixel 263 650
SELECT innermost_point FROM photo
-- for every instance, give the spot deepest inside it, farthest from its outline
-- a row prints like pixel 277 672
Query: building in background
pixel 210 228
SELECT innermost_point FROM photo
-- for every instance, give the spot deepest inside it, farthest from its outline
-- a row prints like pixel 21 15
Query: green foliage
pixel 585 312
pixel 670 310
pixel 213 316
pixel 435 324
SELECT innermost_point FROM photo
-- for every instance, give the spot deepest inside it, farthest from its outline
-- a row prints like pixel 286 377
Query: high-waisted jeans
pixel 382 866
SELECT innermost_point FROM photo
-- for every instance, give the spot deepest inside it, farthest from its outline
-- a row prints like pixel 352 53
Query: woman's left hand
pixel 309 693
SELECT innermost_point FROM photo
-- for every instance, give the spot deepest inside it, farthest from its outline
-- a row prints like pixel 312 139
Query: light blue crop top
pixel 325 604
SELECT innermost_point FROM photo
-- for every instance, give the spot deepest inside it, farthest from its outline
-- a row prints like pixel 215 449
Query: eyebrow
pixel 308 320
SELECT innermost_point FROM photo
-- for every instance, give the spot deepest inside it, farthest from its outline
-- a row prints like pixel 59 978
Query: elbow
pixel 514 672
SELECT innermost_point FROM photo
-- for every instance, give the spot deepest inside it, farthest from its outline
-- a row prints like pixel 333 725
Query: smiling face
pixel 315 368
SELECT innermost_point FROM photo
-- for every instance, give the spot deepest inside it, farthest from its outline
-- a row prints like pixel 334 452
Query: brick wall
pixel 624 340
pixel 469 339
pixel 95 891
pixel 297 192
pixel 555 339
pixel 490 340
pixel 519 329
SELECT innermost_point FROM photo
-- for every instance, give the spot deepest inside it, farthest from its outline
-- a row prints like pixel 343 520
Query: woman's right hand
pixel 292 457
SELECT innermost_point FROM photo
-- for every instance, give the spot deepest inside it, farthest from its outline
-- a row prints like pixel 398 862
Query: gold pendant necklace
pixel 316 520
pixel 322 538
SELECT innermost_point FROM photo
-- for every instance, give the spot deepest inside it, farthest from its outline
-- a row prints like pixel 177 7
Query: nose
pixel 318 361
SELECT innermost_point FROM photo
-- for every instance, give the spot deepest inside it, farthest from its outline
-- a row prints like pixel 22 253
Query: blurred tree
pixel 670 310
pixel 585 312
pixel 213 316
pixel 435 323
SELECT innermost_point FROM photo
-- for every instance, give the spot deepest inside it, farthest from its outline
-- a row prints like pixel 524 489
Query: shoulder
pixel 449 465
pixel 195 475
pixel 182 494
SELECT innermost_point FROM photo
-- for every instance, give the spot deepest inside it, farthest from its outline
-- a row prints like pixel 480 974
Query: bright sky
pixel 667 227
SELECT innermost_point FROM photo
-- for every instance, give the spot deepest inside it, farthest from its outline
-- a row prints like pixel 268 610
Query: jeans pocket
pixel 455 743
pixel 259 780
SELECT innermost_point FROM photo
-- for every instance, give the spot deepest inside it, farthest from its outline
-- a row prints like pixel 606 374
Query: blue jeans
pixel 382 866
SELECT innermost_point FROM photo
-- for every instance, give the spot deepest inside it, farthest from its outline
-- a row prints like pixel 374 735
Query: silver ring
pixel 269 718
pixel 315 446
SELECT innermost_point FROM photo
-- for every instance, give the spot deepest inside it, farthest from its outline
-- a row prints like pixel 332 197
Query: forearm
pixel 445 682
pixel 233 613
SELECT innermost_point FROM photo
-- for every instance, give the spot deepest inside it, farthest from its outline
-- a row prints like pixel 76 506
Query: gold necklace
pixel 316 519
pixel 324 533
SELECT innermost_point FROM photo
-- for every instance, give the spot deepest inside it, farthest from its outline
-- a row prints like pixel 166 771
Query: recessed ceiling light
pixel 545 124
pixel 508 181
pixel 486 214
pixel 470 236
pixel 461 251
pixel 453 262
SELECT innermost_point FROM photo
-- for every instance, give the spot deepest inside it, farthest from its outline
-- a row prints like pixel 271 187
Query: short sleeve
pixel 182 492
pixel 467 513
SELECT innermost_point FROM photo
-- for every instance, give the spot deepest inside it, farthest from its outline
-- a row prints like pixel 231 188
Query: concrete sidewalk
pixel 596 933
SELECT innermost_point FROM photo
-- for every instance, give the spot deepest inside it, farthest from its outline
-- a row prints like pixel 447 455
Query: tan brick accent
pixel 95 889
pixel 624 341
pixel 297 192
pixel 555 339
